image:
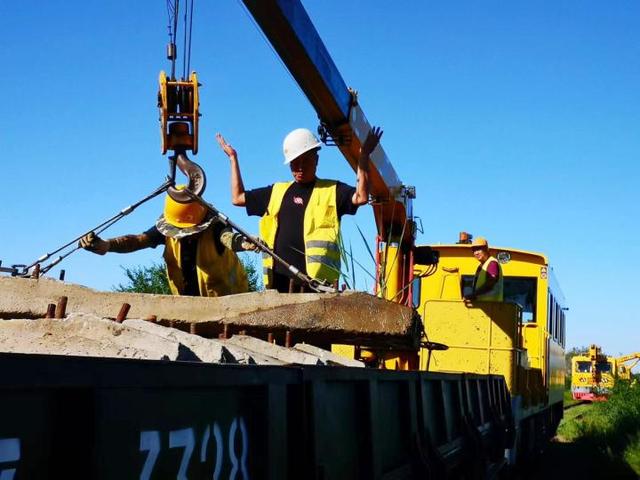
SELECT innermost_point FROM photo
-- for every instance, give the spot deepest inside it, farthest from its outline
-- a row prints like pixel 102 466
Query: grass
pixel 612 426
pixel 568 399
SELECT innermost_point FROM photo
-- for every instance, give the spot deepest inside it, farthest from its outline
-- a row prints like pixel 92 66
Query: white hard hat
pixel 298 142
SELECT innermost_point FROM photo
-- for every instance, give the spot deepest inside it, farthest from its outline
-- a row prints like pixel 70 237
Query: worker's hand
pixel 94 243
pixel 371 142
pixel 468 298
pixel 226 148
pixel 249 246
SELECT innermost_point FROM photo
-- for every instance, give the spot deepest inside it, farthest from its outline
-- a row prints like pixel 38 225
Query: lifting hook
pixel 193 171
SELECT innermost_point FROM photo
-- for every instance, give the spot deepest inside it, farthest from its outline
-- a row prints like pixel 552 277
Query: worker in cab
pixel 199 251
pixel 488 282
pixel 301 218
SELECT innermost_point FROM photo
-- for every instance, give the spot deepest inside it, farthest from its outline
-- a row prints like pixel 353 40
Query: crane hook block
pixel 178 101
pixel 197 179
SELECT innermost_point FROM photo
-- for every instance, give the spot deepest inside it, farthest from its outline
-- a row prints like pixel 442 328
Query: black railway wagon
pixel 81 417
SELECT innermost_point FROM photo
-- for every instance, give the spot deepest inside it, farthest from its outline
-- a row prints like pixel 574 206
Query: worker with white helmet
pixel 199 250
pixel 488 282
pixel 301 218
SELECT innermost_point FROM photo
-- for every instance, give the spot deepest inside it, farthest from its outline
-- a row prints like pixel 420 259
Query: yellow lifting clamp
pixel 178 101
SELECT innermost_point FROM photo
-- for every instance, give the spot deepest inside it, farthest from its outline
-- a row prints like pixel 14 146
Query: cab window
pixel 520 290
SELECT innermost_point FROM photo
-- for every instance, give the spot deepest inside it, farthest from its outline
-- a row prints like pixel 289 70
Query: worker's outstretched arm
pixel 123 244
pixel 236 241
pixel 237 187
pixel 362 188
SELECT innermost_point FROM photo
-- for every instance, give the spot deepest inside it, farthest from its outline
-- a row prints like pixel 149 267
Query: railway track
pixel 581 402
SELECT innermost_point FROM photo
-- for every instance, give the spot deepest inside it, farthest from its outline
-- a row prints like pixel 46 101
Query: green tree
pixel 145 279
pixel 253 267
pixel 153 278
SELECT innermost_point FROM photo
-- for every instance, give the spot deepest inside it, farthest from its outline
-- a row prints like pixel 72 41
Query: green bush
pixel 614 425
pixel 632 454
pixel 151 279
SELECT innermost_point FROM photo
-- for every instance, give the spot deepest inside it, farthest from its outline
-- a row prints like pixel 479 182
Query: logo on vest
pixel 298 200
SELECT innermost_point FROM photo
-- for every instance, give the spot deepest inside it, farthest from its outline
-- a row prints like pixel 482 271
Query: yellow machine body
pixel 521 338
pixel 179 103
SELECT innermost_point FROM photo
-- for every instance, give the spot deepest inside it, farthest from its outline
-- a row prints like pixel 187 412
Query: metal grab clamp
pixel 179 103
pixel 195 174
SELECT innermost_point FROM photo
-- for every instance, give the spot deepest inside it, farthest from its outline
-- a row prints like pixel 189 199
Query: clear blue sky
pixel 516 120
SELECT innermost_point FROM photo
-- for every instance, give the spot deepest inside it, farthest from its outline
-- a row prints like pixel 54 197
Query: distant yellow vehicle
pixel 593 376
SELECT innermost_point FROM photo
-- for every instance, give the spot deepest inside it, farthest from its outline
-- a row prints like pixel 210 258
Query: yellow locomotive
pixel 522 338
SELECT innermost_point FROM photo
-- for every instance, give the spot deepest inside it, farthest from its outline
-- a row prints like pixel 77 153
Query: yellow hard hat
pixel 479 242
pixel 183 215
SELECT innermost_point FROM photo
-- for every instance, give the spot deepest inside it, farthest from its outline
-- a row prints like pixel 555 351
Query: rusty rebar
pixel 51 311
pixel 287 339
pixel 193 328
pixel 61 307
pixel 225 332
pixel 36 271
pixel 270 337
pixel 122 314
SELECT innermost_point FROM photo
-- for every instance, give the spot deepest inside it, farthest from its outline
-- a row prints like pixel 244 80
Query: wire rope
pixel 190 32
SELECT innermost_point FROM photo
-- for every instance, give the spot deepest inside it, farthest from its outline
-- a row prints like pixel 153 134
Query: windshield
pixel 603 367
pixel 583 367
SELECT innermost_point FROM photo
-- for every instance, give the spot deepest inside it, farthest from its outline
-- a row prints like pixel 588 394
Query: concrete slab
pixel 206 350
pixel 286 355
pixel 327 357
pixel 349 317
pixel 86 335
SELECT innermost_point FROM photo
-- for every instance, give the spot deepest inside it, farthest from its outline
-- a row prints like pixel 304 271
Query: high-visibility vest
pixel 321 231
pixel 218 274
pixel 496 294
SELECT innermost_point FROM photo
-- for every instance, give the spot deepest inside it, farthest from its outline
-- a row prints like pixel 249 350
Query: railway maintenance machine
pixel 594 374
pixel 479 389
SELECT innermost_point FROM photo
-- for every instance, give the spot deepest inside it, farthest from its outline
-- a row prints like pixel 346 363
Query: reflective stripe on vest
pixel 496 294
pixel 320 231
pixel 218 274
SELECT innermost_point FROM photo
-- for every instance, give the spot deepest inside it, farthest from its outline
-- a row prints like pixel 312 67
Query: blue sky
pixel 516 120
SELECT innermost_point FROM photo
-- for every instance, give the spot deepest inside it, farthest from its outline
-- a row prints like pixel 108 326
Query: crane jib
pixel 294 37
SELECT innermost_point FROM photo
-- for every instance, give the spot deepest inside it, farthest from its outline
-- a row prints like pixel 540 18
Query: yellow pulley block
pixel 178 101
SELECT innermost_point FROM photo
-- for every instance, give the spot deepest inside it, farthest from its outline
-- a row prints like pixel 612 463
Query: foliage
pixel 613 426
pixel 253 267
pixel 153 278
pixel 141 279
pixel 632 454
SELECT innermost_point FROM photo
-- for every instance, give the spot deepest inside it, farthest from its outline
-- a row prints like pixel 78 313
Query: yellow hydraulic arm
pixel 624 370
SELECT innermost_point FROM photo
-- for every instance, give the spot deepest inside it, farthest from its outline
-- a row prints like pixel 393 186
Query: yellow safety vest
pixel 496 294
pixel 218 274
pixel 321 230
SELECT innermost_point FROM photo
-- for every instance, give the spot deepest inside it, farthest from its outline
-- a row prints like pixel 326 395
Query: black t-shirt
pixel 289 242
